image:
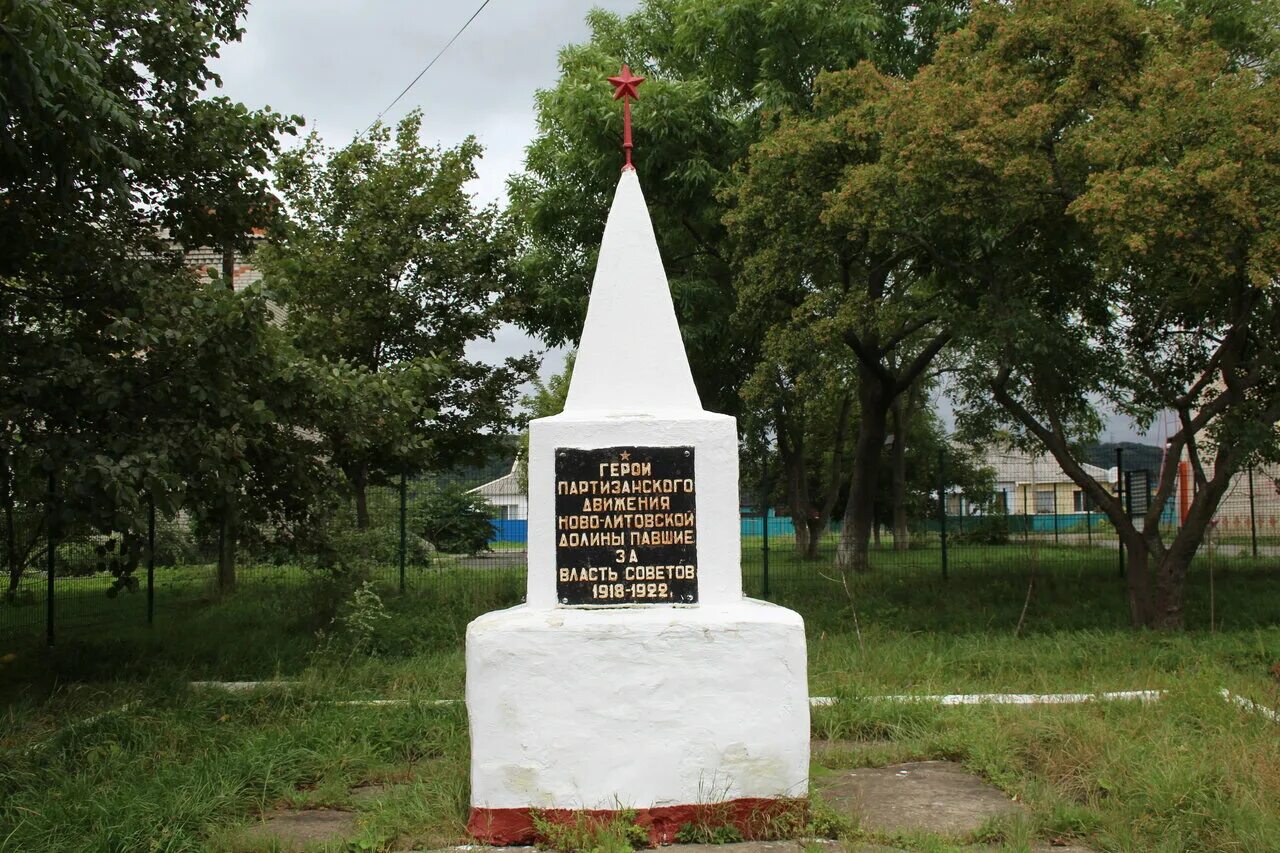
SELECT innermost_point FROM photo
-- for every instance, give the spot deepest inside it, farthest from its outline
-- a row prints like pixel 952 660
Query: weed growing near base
pixel 581 833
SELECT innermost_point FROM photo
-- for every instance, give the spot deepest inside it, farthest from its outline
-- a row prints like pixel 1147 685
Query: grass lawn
pixel 104 747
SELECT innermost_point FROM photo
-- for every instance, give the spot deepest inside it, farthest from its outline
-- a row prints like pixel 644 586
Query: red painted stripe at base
pixel 754 817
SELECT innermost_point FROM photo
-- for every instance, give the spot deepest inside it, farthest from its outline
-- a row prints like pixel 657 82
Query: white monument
pixel 636 675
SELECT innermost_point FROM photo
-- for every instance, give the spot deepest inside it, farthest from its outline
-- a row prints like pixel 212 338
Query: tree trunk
pixel 1167 607
pixel 855 536
pixel 360 483
pixel 793 463
pixel 11 562
pixel 799 510
pixel 898 466
pixel 815 528
pixel 228 532
pixel 229 267
pixel 803 543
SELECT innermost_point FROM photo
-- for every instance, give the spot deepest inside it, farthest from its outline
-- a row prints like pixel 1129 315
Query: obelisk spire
pixel 631 357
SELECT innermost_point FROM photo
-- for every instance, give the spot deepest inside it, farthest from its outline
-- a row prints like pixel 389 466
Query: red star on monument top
pixel 624 87
pixel 625 84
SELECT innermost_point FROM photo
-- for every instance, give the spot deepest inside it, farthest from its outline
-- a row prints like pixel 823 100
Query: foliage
pixel 128 379
pixel 825 821
pixel 800 392
pixel 453 519
pixel 1092 182
pixel 583 833
pixel 725 833
pixel 388 273
pixel 355 629
pixel 715 75
pixel 340 543
pixel 546 400
pixel 818 275
pixel 987 529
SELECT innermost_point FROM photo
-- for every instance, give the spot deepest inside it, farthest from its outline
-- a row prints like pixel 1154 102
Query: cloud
pixel 339 63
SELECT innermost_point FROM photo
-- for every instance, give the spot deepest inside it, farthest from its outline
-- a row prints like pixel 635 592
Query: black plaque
pixel 625 526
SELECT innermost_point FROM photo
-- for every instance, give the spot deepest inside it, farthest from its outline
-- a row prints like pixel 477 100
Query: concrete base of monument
pixel 661 710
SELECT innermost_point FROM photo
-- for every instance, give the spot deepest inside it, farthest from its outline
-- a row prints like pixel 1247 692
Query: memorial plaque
pixel 625 526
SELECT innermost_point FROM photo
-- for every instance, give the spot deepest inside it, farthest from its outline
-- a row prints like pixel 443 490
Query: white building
pixel 1036 484
pixel 506 495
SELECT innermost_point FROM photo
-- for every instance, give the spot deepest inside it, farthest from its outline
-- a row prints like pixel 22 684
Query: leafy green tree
pixel 546 400
pixel 454 520
pixel 108 138
pixel 388 272
pixel 1097 183
pixel 716 74
pixel 818 270
pixel 801 393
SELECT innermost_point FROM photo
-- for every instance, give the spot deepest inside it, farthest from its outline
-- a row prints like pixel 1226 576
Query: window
pixel 1044 501
pixel 1001 501
pixel 1081 502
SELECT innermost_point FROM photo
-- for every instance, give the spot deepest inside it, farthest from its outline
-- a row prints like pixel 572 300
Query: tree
pixel 803 394
pixel 716 73
pixel 547 399
pixel 454 520
pixel 842 276
pixel 108 138
pixel 1097 182
pixel 386 268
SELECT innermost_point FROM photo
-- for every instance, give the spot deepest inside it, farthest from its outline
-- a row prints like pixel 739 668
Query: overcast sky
pixel 339 63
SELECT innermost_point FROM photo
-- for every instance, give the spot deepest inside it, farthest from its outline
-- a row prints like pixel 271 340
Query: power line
pixel 414 81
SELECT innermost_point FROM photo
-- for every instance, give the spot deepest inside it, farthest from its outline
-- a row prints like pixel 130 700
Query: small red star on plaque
pixel 624 87
pixel 624 455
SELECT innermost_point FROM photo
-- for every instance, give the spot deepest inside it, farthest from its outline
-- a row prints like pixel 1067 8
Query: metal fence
pixel 466 541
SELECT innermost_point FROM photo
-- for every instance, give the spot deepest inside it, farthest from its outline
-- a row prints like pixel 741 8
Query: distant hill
pixel 1136 456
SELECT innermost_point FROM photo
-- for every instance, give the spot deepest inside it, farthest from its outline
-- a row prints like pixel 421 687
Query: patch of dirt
pixel 370 792
pixel 294 830
pixel 824 844
pixel 938 797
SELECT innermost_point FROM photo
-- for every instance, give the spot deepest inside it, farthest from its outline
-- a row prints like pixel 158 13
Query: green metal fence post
pixel 1120 497
pixel 51 535
pixel 1253 516
pixel 764 538
pixel 151 560
pixel 942 507
pixel 404 487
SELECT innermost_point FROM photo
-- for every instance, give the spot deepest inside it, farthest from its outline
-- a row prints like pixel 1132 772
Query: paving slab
pixel 295 829
pixel 824 844
pixel 939 797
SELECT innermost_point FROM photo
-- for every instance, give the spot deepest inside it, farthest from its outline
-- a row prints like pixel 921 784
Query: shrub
pixel 454 520
pixel 985 530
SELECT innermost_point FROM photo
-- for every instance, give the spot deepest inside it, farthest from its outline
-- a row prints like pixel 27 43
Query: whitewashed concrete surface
pixel 631 358
pixel 714 440
pixel 637 708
